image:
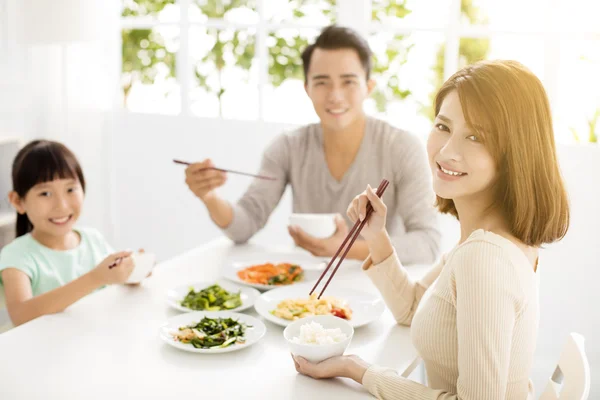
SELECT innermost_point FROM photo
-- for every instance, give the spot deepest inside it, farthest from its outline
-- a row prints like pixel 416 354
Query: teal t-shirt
pixel 48 269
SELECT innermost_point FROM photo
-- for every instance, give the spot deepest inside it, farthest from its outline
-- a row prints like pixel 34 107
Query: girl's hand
pixel 358 211
pixel 352 367
pixel 147 276
pixel 123 267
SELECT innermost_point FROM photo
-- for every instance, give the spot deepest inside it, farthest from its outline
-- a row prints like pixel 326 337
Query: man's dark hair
pixel 336 37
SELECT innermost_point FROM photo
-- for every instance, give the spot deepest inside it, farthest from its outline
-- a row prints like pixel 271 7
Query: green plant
pixel 240 44
pixel 143 50
pixel 470 51
pixel 395 55
pixel 593 128
pixel 285 51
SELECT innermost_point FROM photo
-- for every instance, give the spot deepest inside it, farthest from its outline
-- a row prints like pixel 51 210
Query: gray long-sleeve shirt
pixel 298 158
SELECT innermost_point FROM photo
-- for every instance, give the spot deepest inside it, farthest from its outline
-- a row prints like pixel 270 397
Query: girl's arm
pixel 23 307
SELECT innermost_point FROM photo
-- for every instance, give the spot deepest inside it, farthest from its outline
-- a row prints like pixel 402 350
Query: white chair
pixel 571 378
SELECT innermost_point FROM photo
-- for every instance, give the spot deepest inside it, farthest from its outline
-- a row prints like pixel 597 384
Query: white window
pixel 240 59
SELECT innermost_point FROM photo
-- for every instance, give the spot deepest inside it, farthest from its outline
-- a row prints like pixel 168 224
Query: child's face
pixel 53 207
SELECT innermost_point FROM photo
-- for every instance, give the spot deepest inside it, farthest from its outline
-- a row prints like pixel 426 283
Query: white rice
pixel 314 333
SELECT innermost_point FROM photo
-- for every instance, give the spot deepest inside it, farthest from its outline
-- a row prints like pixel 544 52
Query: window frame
pixel 357 14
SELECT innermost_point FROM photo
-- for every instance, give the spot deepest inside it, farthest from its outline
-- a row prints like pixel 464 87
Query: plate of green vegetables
pixel 212 297
pixel 212 332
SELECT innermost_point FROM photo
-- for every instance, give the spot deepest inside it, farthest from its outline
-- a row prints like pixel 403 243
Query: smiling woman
pixel 483 144
pixel 474 316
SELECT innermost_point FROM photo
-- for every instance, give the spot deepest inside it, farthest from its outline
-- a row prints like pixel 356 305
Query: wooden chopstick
pixel 353 234
pixel 229 170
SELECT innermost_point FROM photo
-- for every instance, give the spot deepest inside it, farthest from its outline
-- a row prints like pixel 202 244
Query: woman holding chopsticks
pixel 474 316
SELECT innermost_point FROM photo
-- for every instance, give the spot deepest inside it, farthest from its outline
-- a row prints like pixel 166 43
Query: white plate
pixel 176 295
pixel 252 335
pixel 365 307
pixel 312 269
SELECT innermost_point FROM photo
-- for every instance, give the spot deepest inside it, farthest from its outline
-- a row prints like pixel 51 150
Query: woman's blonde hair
pixel 507 106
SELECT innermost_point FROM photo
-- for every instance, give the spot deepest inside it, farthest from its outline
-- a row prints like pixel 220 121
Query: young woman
pixel 474 316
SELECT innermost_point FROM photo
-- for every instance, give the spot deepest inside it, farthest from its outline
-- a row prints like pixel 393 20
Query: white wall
pixel 154 209
pixel 13 93
pixel 73 88
pixel 569 270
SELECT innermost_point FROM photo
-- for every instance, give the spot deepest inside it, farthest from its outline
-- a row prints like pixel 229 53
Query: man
pixel 329 163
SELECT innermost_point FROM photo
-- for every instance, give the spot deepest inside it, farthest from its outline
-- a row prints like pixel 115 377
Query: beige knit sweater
pixel 475 327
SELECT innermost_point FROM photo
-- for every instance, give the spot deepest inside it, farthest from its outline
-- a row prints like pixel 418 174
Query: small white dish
pixel 318 352
pixel 366 308
pixel 253 334
pixel 143 262
pixel 320 226
pixel 248 295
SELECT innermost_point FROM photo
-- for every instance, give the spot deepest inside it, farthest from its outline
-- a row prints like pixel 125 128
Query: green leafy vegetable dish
pixel 213 298
pixel 211 333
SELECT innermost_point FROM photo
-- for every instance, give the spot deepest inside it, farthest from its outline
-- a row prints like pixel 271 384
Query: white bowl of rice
pixel 319 337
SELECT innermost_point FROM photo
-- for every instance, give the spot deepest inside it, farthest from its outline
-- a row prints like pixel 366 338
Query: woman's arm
pixel 401 294
pixel 488 298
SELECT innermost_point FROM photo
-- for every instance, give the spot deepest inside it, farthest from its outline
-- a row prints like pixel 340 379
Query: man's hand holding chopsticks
pixel 202 180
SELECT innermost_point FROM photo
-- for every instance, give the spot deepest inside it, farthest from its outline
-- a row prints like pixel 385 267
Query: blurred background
pixel 130 85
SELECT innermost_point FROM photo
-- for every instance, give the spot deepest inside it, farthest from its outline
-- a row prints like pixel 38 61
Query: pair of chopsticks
pixel 117 262
pixel 354 232
pixel 228 170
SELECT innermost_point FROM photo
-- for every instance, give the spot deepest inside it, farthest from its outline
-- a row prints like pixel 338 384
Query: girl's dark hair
pixel 38 162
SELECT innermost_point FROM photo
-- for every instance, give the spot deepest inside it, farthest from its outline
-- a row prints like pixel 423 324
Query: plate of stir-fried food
pixel 212 296
pixel 284 305
pixel 216 332
pixel 270 274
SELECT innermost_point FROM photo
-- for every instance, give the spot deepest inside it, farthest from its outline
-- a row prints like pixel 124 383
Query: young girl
pixel 51 264
pixel 474 316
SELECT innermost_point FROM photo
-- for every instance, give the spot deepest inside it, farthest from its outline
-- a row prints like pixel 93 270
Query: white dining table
pixel 107 345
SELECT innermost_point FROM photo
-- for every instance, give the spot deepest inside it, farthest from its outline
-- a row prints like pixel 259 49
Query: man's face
pixel 337 85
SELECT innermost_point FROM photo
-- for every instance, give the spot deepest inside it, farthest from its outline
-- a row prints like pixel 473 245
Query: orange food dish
pixel 272 274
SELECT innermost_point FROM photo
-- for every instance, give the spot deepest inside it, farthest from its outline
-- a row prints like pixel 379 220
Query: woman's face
pixel 461 165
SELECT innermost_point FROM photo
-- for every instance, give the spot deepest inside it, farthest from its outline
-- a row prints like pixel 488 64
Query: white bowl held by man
pixel 320 226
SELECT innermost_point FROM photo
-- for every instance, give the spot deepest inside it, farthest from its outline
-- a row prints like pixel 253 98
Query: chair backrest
pixel 571 378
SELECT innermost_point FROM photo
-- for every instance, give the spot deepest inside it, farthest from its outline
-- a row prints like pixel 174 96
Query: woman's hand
pixel 352 367
pixel 357 210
